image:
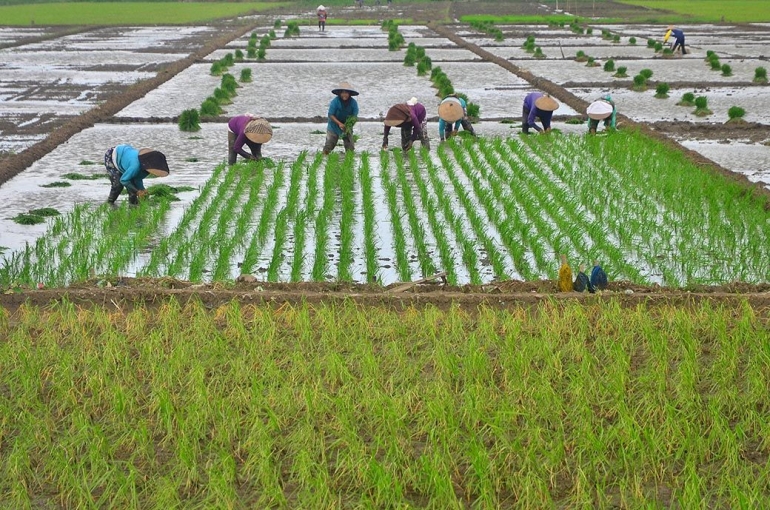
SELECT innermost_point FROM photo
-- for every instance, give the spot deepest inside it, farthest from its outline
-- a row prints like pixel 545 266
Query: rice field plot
pixel 486 209
pixel 345 406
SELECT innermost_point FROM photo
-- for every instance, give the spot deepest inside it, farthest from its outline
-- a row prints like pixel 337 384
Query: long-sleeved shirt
pixel 237 125
pixel 442 123
pixel 126 159
pixel 417 116
pixel 341 110
pixel 533 112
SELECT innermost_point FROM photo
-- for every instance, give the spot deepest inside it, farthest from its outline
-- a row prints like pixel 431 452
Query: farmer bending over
pixel 127 167
pixel 248 130
pixel 453 113
pixel 537 106
pixel 410 117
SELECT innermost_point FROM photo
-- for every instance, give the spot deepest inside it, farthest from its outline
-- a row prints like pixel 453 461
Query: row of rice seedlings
pixel 302 222
pixel 347 217
pixel 289 213
pixel 370 222
pixel 266 221
pixel 610 406
pixel 395 38
pixel 324 217
pixel 167 246
pixel 438 229
pixel 403 268
pixel 471 207
pixel 459 225
pixel 419 235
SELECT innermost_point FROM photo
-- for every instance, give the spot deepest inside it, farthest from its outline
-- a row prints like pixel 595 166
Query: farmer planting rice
pixel 410 117
pixel 453 113
pixel 343 111
pixel 601 109
pixel 678 39
pixel 322 15
pixel 127 167
pixel 247 130
pixel 537 106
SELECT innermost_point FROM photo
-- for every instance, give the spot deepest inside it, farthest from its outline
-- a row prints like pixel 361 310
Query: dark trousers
pixel 679 44
pixel 232 156
pixel 116 187
pixel 406 136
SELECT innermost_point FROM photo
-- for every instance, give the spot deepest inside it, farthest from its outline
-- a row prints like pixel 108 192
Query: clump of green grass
pixel 538 53
pixel 735 114
pixel 632 40
pixel 622 72
pixel 615 38
pixel 56 184
pixel 210 107
pixel 658 47
pixel 609 66
pixel 74 176
pixel 86 162
pixel 701 106
pixel 581 56
pixel 760 75
pixel 190 120
pixel 292 29
pixel 45 212
pixel 716 65
pixel 688 99
pixel 727 70
pixel 661 91
pixel 245 75
pixel 640 83
pixel 191 160
pixel 647 73
pixel 591 62
pixel 28 219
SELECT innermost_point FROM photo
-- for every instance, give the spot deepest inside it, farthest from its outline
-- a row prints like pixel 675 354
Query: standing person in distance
pixel 537 106
pixel 322 15
pixel 341 108
pixel 249 130
pixel 128 167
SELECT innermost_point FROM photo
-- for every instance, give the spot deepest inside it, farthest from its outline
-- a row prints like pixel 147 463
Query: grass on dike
pixel 341 405
pixel 126 13
pixel 708 11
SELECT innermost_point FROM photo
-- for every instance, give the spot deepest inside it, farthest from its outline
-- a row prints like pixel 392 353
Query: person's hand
pixel 408 146
pixel 384 147
pixel 142 194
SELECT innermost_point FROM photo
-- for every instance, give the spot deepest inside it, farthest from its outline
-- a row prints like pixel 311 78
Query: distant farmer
pixel 411 118
pixel 601 109
pixel 537 106
pixel 127 167
pixel 248 130
pixel 322 15
pixel 453 113
pixel 678 39
pixel 343 112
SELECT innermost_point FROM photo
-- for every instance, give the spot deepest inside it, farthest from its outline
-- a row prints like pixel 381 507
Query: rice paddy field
pixel 380 328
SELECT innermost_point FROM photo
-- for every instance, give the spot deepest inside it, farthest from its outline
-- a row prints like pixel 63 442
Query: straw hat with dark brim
pixel 345 87
pixel 451 110
pixel 599 110
pixel 397 115
pixel 153 162
pixel 258 130
pixel 546 104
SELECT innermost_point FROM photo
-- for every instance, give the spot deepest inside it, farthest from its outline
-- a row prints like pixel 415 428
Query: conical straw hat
pixel 258 131
pixel 599 110
pixel 451 110
pixel 546 104
pixel 345 86
pixel 153 162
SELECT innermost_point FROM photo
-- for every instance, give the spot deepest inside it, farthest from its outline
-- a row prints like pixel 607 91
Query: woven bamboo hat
pixel 397 115
pixel 321 8
pixel 599 110
pixel 546 104
pixel 258 130
pixel 345 87
pixel 451 110
pixel 153 162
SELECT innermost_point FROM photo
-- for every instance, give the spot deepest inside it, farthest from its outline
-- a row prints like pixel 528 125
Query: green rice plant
pixel 658 47
pixel 238 55
pixel 370 221
pixel 271 34
pixel 216 68
pixel 736 113
pixel 709 54
pixel 668 52
pixel 727 70
pixel 330 179
pixel 688 99
pixel 288 213
pixel 591 62
pixel 74 176
pixel 417 230
pixel 538 54
pixel 292 29
pixel 245 75
pixel 222 96
pixel 28 219
pixel 347 220
pixel 189 120
pixel 715 64
pixel 56 184
pixel 86 162
pixel 651 43
pixel 615 38
pixel 621 73
pixel 474 111
pixel 228 60
pixel 261 53
pixel 530 39
pixel 411 55
pixel 647 73
pixel 423 66
pixel 265 41
pixel 581 56
pixel 589 31
pixel 304 219
pixel 640 83
pixel 609 66
pixel 251 52
pixel 229 83
pixel 701 106
pixel 632 40
pixel 403 268
pixel 661 90
pixel 210 107
pixel 760 75
pixel 277 24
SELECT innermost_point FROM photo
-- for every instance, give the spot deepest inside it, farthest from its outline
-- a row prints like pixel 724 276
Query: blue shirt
pixel 127 161
pixel 341 110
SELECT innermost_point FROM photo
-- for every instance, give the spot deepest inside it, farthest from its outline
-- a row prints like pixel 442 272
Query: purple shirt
pixel 533 112
pixel 417 115
pixel 237 125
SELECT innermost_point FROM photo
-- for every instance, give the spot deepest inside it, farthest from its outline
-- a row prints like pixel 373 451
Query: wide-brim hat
pixel 258 130
pixel 546 104
pixel 345 87
pixel 321 8
pixel 153 162
pixel 397 115
pixel 451 110
pixel 599 110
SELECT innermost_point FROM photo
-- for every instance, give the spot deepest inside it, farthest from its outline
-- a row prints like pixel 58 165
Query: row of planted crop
pixel 492 208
